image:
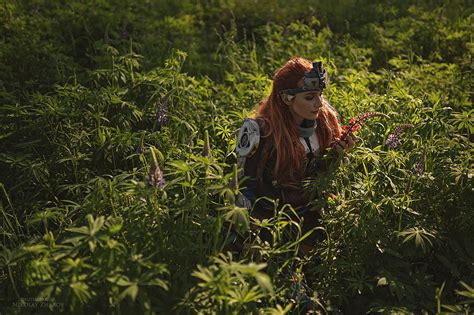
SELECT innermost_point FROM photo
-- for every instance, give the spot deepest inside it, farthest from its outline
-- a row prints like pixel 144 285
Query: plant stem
pixel 13 282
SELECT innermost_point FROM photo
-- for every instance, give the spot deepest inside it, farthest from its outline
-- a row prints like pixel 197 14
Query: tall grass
pixel 118 193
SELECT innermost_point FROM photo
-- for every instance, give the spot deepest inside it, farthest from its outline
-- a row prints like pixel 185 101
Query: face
pixel 305 105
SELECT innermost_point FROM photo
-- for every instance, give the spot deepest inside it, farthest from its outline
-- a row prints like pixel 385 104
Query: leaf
pixel 37 248
pixel 114 224
pixel 131 291
pixel 10 258
pixel 158 282
pixel 204 274
pixel 264 282
pixel 81 290
pixel 469 293
pixel 95 225
pixel 420 235
pixel 92 245
pixel 120 280
pixel 80 230
pixel 102 136
pixel 382 281
pixel 238 216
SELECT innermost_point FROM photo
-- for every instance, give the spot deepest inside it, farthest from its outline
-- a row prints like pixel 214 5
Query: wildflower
pixel 394 137
pixel 356 122
pixel 162 112
pixel 419 167
pixel 155 175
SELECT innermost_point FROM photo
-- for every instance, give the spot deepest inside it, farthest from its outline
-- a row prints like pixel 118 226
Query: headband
pixel 313 80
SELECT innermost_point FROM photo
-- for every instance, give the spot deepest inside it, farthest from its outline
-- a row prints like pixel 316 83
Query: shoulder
pixel 248 138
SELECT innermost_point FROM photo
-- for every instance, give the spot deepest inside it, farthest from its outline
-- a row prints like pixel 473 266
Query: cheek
pixel 301 107
pixel 308 104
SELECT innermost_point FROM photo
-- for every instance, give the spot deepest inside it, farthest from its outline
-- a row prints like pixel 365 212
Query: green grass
pixel 86 227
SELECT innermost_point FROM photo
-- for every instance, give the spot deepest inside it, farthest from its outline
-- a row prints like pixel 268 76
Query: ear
pixel 287 98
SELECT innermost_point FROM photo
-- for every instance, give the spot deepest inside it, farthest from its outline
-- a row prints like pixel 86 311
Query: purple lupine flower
pixel 155 176
pixel 419 167
pixel 394 137
pixel 356 122
pixel 162 111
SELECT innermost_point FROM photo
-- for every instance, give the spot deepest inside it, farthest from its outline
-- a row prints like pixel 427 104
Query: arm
pixel 333 154
pixel 248 150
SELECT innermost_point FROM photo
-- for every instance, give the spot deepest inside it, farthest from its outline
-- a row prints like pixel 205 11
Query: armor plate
pixel 248 138
pixel 247 144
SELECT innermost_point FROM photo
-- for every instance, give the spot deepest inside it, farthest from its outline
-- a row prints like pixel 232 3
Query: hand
pixel 346 144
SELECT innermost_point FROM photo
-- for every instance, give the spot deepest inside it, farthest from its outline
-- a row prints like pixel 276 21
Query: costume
pixel 256 157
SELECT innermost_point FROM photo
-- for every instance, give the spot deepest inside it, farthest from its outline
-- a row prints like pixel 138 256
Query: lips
pixel 316 111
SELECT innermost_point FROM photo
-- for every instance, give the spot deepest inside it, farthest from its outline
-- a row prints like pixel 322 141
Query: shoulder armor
pixel 248 138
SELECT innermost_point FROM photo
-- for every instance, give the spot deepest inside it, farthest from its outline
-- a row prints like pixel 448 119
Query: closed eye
pixel 309 97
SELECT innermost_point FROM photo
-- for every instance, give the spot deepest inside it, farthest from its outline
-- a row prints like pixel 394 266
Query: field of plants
pixel 117 119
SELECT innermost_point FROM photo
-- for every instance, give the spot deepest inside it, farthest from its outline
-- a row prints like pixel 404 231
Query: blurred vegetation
pixel 116 118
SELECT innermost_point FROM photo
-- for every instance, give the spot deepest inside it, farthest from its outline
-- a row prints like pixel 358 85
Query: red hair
pixel 278 124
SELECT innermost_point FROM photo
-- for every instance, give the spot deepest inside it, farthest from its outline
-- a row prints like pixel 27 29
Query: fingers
pixel 339 148
pixel 349 135
pixel 346 144
pixel 350 142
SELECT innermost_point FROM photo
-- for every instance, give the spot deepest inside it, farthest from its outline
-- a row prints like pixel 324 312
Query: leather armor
pixel 256 158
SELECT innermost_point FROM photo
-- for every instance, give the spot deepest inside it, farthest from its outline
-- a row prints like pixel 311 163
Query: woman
pixel 284 144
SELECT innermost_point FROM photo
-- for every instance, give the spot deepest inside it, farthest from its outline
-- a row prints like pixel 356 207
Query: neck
pixel 298 121
pixel 306 128
pixel 306 123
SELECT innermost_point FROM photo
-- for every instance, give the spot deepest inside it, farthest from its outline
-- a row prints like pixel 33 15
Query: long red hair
pixel 278 124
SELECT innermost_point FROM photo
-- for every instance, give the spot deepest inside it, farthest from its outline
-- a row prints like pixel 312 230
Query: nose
pixel 318 102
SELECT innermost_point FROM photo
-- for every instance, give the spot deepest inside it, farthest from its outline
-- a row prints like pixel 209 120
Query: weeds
pixel 115 191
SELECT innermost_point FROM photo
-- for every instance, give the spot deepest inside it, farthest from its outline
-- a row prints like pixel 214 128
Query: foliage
pixel 117 193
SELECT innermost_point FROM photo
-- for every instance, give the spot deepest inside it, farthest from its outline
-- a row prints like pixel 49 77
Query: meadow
pixel 117 193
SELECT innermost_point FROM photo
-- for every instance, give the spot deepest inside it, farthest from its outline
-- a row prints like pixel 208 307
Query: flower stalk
pixel 155 175
pixel 356 122
pixel 394 137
